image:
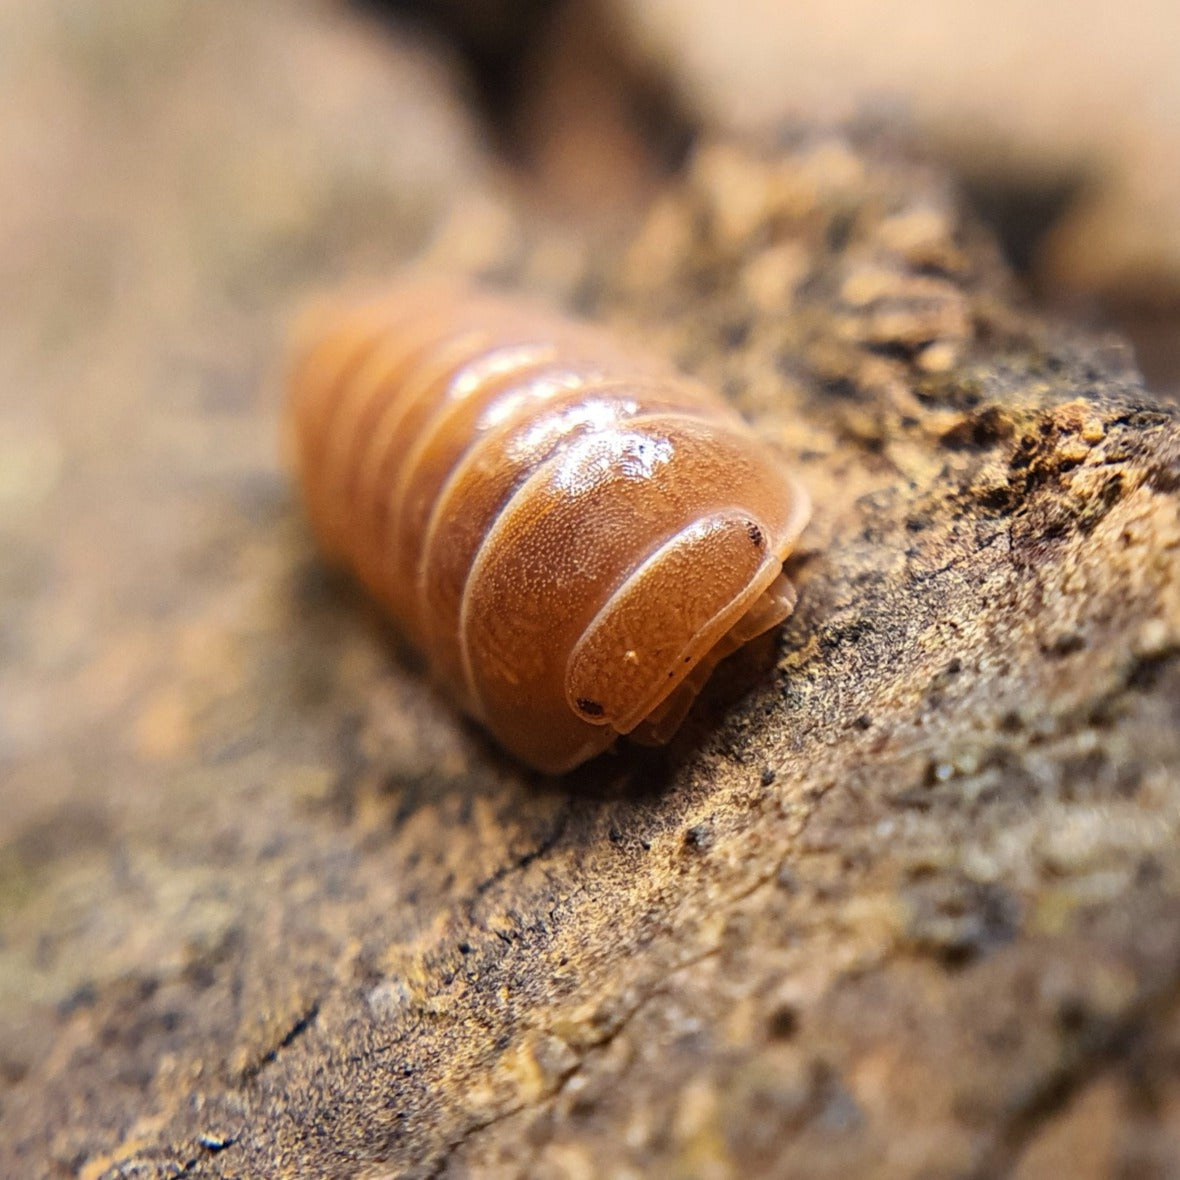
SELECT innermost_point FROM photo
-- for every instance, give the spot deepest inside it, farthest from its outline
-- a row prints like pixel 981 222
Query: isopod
pixel 572 533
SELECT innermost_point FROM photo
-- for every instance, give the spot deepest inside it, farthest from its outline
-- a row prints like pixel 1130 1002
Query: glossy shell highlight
pixel 571 533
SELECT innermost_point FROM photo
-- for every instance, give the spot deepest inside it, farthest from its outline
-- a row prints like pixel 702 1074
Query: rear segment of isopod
pixel 573 535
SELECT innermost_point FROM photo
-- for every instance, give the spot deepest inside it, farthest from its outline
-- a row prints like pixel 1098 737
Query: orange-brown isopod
pixel 572 534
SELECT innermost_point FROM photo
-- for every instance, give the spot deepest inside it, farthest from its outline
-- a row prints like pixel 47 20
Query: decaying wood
pixel 903 897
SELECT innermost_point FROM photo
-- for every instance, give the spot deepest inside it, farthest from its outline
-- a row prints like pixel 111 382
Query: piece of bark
pixel 902 898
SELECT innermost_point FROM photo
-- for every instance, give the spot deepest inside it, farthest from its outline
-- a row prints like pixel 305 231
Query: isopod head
pixel 705 592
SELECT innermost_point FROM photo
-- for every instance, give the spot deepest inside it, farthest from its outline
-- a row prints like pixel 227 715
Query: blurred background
pixel 1061 120
pixel 176 175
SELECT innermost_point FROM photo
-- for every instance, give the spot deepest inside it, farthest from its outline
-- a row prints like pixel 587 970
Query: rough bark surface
pixel 903 897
